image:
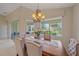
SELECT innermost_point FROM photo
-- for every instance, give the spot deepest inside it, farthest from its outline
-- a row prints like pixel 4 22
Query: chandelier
pixel 38 15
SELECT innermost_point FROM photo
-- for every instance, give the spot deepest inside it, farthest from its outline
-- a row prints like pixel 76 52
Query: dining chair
pixel 33 49
pixel 71 48
pixel 47 36
pixel 19 47
pixel 77 49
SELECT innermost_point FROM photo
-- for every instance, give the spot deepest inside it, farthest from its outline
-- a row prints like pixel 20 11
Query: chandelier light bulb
pixel 39 14
pixel 33 15
pixel 43 17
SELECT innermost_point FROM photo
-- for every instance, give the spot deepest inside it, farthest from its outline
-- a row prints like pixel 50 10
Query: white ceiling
pixel 6 8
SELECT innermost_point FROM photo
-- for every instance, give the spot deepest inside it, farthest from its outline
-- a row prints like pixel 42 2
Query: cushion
pixel 71 48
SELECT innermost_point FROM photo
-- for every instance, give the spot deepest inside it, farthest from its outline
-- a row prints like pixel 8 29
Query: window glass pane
pixel 45 26
pixel 15 26
pixel 55 27
pixel 14 29
pixel 29 27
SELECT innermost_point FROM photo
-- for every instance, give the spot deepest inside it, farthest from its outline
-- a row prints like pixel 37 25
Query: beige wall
pixel 3 27
pixel 2 19
pixel 67 25
pixel 76 22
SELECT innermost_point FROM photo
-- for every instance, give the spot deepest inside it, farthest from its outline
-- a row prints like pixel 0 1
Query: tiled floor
pixel 7 47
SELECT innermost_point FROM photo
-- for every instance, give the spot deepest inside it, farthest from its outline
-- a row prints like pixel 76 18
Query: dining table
pixel 52 48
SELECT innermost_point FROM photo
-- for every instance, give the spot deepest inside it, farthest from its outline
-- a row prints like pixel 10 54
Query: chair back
pixel 71 48
pixel 47 36
pixel 33 49
pixel 19 46
pixel 77 47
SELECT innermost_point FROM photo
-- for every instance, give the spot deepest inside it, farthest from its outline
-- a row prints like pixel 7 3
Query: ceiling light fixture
pixel 38 15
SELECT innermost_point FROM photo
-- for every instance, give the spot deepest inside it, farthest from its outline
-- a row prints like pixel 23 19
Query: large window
pixel 52 26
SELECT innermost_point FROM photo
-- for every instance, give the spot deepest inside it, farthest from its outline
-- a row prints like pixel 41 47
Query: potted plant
pixel 37 34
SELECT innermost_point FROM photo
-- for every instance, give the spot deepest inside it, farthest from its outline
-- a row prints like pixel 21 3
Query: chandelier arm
pixel 37 5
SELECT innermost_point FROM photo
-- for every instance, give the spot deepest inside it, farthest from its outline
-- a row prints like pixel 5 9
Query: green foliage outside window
pixel 52 27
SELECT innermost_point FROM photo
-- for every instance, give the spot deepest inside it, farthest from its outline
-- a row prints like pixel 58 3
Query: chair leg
pixel 17 55
pixel 25 50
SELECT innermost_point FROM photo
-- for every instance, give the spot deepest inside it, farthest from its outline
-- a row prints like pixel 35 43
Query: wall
pixel 67 25
pixel 3 27
pixel 76 22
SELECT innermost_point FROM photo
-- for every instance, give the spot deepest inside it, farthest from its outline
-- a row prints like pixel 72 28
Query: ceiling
pixel 6 8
